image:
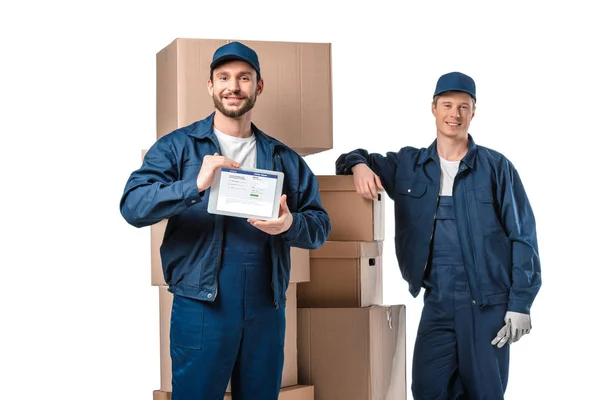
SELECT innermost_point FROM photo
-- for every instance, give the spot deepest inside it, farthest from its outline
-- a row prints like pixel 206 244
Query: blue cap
pixel 235 51
pixel 455 82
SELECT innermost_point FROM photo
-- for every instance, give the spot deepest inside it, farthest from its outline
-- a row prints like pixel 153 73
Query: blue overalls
pixel 453 355
pixel 239 336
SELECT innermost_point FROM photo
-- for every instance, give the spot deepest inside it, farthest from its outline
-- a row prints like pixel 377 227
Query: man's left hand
pixel 517 325
pixel 520 325
pixel 276 226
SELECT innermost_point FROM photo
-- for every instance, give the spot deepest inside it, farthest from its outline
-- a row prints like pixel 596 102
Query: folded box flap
pixel 334 249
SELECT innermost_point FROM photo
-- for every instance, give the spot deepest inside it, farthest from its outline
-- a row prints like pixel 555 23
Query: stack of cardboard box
pixel 295 108
pixel 350 346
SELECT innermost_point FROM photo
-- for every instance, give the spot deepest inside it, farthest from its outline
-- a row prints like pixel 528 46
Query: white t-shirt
pixel 242 150
pixel 449 170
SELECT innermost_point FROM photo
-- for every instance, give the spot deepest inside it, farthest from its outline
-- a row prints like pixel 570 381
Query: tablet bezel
pixel 214 195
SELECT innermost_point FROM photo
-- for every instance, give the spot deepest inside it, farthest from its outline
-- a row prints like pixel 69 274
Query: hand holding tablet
pixel 276 226
pixel 209 165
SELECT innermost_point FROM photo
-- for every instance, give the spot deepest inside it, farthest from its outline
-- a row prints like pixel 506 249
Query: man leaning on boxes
pixel 465 231
pixel 228 275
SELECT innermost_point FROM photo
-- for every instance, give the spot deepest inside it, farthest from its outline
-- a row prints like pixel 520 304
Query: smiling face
pixel 453 112
pixel 234 88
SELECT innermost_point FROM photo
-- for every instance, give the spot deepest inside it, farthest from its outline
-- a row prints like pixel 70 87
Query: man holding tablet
pixel 236 201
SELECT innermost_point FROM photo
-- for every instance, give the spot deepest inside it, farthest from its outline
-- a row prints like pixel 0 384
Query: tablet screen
pixel 246 192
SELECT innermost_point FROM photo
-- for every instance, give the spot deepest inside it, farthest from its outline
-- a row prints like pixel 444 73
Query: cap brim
pixel 230 57
pixel 454 90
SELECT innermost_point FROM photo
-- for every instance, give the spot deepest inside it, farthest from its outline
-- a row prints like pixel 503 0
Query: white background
pixel 77 89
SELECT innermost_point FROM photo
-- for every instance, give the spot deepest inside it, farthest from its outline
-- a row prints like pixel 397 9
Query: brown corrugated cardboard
pixel 300 265
pixel 290 365
pixel 353 218
pixel 353 353
pixel 336 250
pixel 295 106
pixel 299 258
pixel 297 392
pixel 344 274
pixel 160 395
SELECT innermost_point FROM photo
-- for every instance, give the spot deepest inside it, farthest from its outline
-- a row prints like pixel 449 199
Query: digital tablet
pixel 246 193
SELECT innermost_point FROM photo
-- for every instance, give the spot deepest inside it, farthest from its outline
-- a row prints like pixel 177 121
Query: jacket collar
pixel 431 153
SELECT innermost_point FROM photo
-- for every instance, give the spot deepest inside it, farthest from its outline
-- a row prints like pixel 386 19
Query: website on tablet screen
pixel 247 192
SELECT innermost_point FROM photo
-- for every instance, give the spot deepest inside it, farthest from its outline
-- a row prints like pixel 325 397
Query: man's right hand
pixel 209 165
pixel 366 182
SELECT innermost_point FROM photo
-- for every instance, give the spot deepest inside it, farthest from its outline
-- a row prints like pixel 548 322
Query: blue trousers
pixel 453 356
pixel 239 336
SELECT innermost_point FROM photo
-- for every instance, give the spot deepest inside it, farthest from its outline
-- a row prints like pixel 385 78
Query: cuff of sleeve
pixel 522 307
pixel 352 162
pixel 190 193
pixel 345 168
pixel 352 165
pixel 294 229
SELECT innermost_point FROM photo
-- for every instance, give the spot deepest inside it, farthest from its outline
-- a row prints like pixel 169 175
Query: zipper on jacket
pixel 220 255
pixel 219 265
pixel 473 249
pixel 430 245
pixel 275 301
pixel 462 170
pixel 437 202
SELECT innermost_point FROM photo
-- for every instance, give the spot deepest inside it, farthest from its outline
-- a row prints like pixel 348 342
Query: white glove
pixel 517 325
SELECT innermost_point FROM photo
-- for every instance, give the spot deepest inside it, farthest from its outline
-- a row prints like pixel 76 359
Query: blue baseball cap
pixel 235 51
pixel 455 82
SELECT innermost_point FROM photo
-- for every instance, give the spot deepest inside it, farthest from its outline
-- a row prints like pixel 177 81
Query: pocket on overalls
pixel 187 322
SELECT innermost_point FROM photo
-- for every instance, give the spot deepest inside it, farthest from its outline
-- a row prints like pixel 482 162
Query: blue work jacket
pixel 495 222
pixel 165 187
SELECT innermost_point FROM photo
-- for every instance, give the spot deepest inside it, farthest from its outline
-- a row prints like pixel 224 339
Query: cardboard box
pixel 299 258
pixel 299 265
pixel 295 106
pixel 353 218
pixel 290 365
pixel 298 392
pixel 353 353
pixel 344 274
